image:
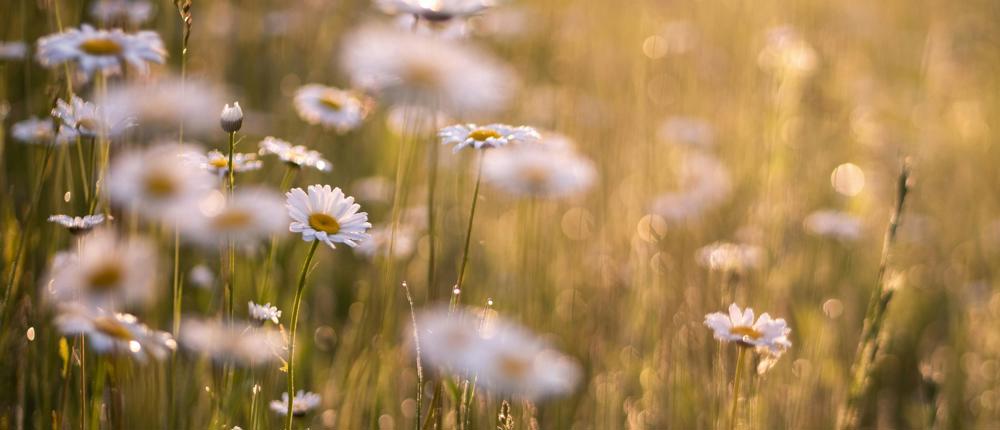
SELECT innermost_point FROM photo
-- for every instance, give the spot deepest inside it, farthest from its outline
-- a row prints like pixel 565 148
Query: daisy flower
pixel 157 181
pixel 330 107
pixel 88 119
pixel 834 224
pixel 105 271
pixel 764 334
pixel 217 163
pixel 10 51
pixel 297 155
pixel 410 68
pixel 264 312
pixel 730 257
pixel 165 104
pixel 114 333
pixel 433 10
pixel 326 215
pixel 486 136
pixel 238 342
pixel 301 405
pixel 247 217
pixel 34 130
pixel 133 12
pixel 101 51
pixel 536 171
pixel 78 225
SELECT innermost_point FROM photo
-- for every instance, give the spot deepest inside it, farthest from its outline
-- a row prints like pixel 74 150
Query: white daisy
pixel 115 333
pixel 764 334
pixel 264 312
pixel 536 171
pixel 486 136
pixel 101 51
pixel 301 405
pixel 297 155
pixel 326 215
pixel 34 130
pixel 217 163
pixel 10 51
pixel 240 342
pixel 78 225
pixel 160 107
pixel 247 217
pixel 730 257
pixel 157 182
pixel 417 69
pixel 134 12
pixel 105 271
pixel 834 224
pixel 330 107
pixel 434 10
pixel 88 119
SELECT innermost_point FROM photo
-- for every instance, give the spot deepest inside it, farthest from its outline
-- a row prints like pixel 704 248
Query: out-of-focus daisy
pixel 834 224
pixel 262 313
pixel 134 12
pixel 88 119
pixel 248 216
pixel 301 405
pixel 730 257
pixel 434 10
pixel 682 130
pixel 101 51
pixel 78 225
pixel 201 276
pixel 504 357
pixel 297 156
pixel 34 130
pixel 217 163
pixel 160 107
pixel 403 246
pixel 739 326
pixel 157 182
pixel 486 136
pixel 10 51
pixel 448 29
pixel 243 343
pixel 704 183
pixel 534 171
pixel 787 52
pixel 105 271
pixel 326 215
pixel 330 107
pixel 409 68
pixel 114 333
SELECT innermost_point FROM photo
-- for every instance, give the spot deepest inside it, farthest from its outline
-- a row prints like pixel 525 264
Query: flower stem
pixel 294 325
pixel 736 386
pixel 468 230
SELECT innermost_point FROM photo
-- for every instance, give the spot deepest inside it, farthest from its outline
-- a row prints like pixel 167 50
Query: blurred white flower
pixel 411 68
pixel 834 224
pixel 730 257
pixel 534 170
pixel 486 136
pixel 162 106
pixel 238 342
pixel 133 12
pixel 101 51
pixel 34 130
pixel 297 156
pixel 764 334
pixel 157 182
pixel 264 312
pixel 78 225
pixel 105 271
pixel 326 215
pixel 434 10
pixel 689 131
pixel 787 52
pixel 115 333
pixel 453 29
pixel 704 183
pixel 89 120
pixel 217 163
pixel 378 244
pixel 10 51
pixel 201 276
pixel 330 107
pixel 301 405
pixel 247 217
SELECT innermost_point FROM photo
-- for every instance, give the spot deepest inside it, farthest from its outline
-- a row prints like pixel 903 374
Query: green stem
pixel 431 187
pixel 296 304
pixel 736 386
pixel 468 230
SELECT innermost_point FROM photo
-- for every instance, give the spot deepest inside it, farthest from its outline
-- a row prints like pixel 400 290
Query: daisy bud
pixel 232 118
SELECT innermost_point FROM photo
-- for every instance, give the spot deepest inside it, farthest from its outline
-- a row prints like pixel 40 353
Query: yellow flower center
pixel 746 331
pixel 481 134
pixel 106 277
pixel 112 328
pixel 331 102
pixel 233 219
pixel 514 367
pixel 101 46
pixel 220 163
pixel 323 222
pixel 159 185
